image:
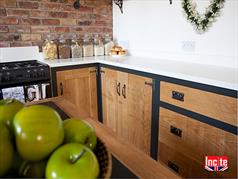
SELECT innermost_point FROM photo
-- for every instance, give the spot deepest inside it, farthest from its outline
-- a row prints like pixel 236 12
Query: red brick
pixel 20 44
pixel 8 3
pixel 37 13
pixel 31 21
pixel 3 12
pixel 11 3
pixel 74 15
pixel 50 21
pixel 40 29
pixel 19 29
pixel 85 9
pixel 62 29
pixel 68 22
pixel 100 23
pixel 58 14
pixel 3 3
pixel 102 9
pixel 3 37
pixel 93 29
pixel 28 22
pixel 4 44
pixel 77 29
pixel 8 20
pixel 4 29
pixel 50 6
pixel 17 12
pixel 68 7
pixel 107 30
pixel 28 5
pixel 30 37
pixel 61 1
pixel 84 23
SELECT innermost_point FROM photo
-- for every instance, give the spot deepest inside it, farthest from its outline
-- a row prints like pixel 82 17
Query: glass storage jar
pixel 76 49
pixel 108 44
pixel 64 48
pixel 87 46
pixel 49 49
pixel 98 46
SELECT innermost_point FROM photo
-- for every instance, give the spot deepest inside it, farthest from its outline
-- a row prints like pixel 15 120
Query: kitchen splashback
pixel 19 54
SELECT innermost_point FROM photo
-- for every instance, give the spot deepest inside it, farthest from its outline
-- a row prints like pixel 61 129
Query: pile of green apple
pixel 36 143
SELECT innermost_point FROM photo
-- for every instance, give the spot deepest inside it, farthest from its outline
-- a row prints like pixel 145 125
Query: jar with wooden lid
pixel 64 48
pixel 98 46
pixel 87 46
pixel 108 44
pixel 49 49
pixel 76 48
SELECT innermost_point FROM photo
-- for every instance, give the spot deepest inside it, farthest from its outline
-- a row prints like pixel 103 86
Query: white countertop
pixel 206 74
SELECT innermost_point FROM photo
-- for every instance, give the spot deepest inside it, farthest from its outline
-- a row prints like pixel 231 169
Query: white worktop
pixel 206 74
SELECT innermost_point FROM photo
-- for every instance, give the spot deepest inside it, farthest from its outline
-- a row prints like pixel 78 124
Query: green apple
pixel 72 161
pixel 77 130
pixel 8 109
pixel 6 150
pixel 32 169
pixel 38 132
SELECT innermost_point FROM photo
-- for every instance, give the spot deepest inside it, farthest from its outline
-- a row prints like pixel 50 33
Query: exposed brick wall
pixel 28 22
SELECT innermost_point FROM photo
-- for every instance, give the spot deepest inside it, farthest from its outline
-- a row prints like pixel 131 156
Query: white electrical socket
pixel 188 46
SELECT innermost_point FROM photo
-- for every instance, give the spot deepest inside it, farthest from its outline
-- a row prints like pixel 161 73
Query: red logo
pixel 216 163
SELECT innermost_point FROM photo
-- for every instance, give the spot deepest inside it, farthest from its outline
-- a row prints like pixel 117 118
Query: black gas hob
pixel 23 73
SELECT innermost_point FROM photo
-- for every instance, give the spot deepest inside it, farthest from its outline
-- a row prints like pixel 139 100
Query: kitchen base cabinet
pixel 189 141
pixel 79 86
pixel 127 106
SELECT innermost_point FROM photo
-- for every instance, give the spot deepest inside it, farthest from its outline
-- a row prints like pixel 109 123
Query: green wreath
pixel 202 21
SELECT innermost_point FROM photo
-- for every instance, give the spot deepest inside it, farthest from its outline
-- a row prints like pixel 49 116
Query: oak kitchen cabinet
pixel 79 86
pixel 184 141
pixel 184 122
pixel 127 106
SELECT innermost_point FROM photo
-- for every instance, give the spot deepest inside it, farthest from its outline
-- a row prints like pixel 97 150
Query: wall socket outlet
pixel 188 46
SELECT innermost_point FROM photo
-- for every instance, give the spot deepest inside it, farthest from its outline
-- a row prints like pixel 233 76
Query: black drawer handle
pixel 178 95
pixel 61 89
pixel 124 91
pixel 173 166
pixel 119 89
pixel 176 131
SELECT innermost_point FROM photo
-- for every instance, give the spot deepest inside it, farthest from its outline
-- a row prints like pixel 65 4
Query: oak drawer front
pixel 195 139
pixel 213 105
pixel 181 164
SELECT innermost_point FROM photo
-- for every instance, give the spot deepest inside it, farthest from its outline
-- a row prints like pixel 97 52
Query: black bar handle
pixel 119 88
pixel 149 84
pixel 124 91
pixel 61 89
pixel 94 71
pixel 173 166
pixel 176 131
pixel 178 95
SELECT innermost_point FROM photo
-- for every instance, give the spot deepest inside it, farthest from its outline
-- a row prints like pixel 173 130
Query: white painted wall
pixel 156 29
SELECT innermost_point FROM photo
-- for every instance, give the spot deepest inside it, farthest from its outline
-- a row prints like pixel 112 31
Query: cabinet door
pixel 135 123
pixel 127 106
pixel 110 90
pixel 79 87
